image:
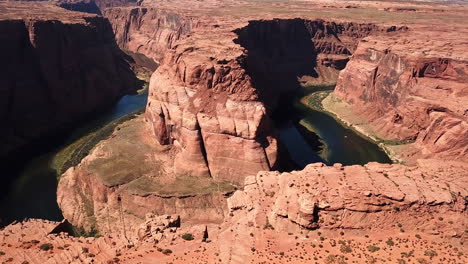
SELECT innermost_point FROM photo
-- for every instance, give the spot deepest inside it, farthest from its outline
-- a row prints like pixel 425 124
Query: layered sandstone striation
pixel 58 66
pixel 203 104
pixel 216 107
pixel 280 51
pixel 148 30
pixel 359 197
pixel 407 94
pixel 114 188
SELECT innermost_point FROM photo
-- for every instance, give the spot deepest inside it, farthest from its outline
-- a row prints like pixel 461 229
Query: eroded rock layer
pixel 128 176
pixel 55 70
pixel 150 31
pixel 405 94
pixel 280 51
pixel 214 107
pixel 359 197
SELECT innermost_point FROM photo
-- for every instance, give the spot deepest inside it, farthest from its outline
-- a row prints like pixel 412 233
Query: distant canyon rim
pixel 205 157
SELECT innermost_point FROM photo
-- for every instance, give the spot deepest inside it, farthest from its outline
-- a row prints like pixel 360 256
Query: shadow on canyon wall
pixel 53 77
pixel 281 53
pixel 278 52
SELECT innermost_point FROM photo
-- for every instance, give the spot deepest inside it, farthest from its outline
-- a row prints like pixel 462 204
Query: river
pixel 33 192
pixel 337 143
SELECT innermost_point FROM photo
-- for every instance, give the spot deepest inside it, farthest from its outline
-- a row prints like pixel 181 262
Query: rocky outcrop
pixel 114 188
pixel 147 30
pixel 56 68
pixel 418 96
pixel 359 197
pixel 215 107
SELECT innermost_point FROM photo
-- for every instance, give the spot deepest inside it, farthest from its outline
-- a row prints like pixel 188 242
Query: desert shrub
pixel 46 246
pixel 390 242
pixel 430 253
pixel 335 259
pixel 407 254
pixel 167 251
pixel 373 248
pixel 345 248
pixel 268 225
pixel 187 236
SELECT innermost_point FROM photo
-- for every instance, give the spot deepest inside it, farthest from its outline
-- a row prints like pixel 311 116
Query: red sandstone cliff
pixel 212 99
pixel 406 94
pixel 55 70
pixel 114 194
pixel 149 31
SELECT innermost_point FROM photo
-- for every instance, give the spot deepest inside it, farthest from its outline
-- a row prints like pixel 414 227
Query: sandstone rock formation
pixel 113 189
pixel 359 197
pixel 58 66
pixel 147 30
pixel 215 109
pixel 407 94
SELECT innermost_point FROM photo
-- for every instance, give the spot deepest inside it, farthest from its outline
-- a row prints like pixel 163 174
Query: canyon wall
pixel 148 30
pixel 409 95
pixel 56 72
pixel 280 52
pixel 212 100
pixel 88 203
pixel 128 176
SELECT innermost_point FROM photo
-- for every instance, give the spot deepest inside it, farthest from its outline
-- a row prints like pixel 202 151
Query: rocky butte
pixel 200 177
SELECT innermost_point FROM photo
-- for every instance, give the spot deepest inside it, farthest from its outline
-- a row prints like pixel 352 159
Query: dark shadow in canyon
pixel 82 6
pixel 51 86
pixel 279 53
pixel 95 6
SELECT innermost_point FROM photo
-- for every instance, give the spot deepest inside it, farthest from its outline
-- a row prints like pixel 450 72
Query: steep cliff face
pixel 406 96
pixel 149 31
pixel 204 104
pixel 128 176
pixel 279 52
pixel 56 72
pixel 212 99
